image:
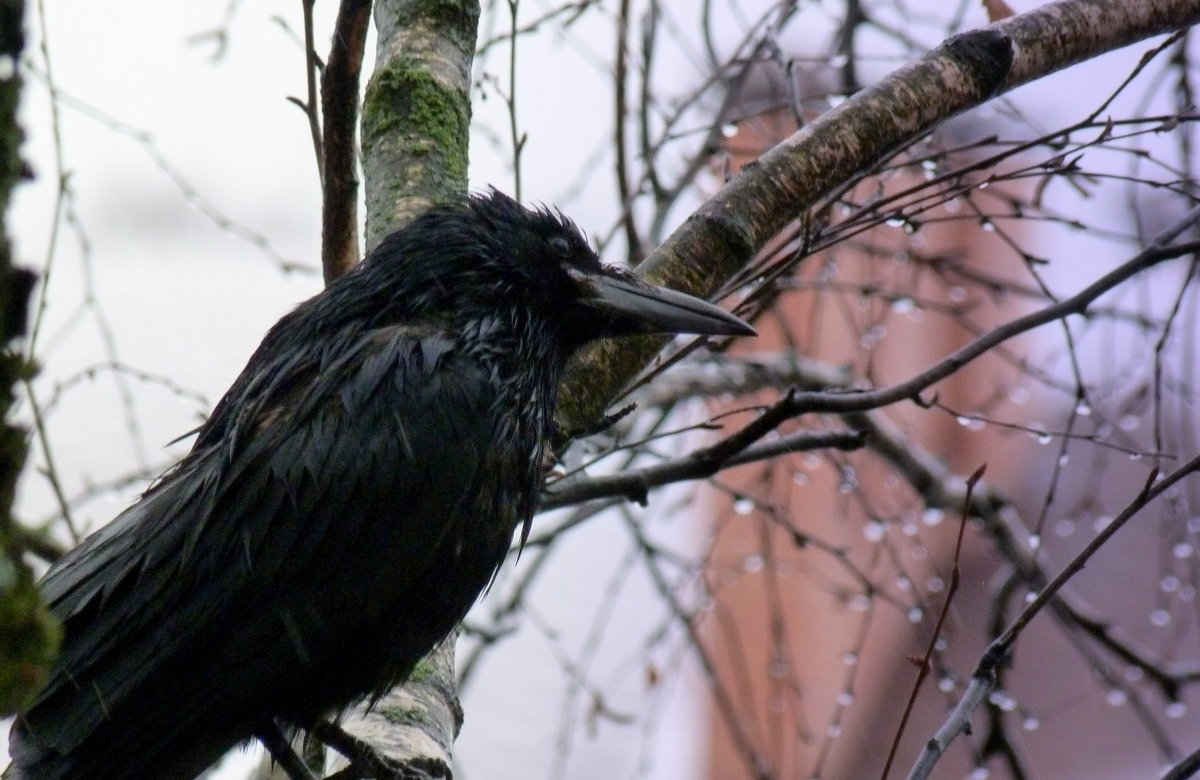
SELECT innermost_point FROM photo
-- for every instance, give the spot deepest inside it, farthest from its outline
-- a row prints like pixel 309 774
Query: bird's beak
pixel 645 308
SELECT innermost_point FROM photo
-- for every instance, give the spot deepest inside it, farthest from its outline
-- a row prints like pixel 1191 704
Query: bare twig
pixel 517 137
pixel 310 105
pixel 699 464
pixel 621 110
pixel 926 661
pixel 983 680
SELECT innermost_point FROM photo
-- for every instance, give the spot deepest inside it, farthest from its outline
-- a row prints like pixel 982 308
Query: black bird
pixel 345 504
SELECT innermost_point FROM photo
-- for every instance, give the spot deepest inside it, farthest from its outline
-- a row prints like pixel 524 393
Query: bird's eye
pixel 561 245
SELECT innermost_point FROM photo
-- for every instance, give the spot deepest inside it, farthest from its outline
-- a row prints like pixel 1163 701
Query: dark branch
pixel 339 171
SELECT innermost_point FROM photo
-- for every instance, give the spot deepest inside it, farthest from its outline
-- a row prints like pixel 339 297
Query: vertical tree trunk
pixel 415 122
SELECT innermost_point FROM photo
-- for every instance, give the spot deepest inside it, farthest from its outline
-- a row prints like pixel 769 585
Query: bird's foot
pixel 368 762
pixel 280 748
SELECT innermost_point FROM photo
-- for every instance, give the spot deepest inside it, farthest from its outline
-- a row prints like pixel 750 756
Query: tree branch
pixel 984 679
pixel 634 484
pixel 416 110
pixel 416 113
pixel 964 72
pixel 339 159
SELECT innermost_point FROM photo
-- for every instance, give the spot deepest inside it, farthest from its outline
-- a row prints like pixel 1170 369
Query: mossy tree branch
pixel 417 110
pixel 415 121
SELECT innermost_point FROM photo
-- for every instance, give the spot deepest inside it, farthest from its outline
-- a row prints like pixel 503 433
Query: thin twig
pixel 621 110
pixel 310 105
pixel 983 680
pixel 518 138
pixel 634 484
pixel 926 662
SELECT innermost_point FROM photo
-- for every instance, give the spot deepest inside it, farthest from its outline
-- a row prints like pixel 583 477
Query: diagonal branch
pixel 634 484
pixel 984 678
pixel 964 72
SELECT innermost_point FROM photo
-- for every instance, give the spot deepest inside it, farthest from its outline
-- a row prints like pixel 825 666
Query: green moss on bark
pixel 404 104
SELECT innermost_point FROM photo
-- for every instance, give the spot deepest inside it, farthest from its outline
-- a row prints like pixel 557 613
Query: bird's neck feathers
pixel 515 343
pixel 490 317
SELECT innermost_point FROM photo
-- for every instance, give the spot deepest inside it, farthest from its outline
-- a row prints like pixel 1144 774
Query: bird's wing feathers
pixel 370 451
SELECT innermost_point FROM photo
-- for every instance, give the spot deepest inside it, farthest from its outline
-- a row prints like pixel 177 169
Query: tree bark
pixel 416 117
pixel 417 110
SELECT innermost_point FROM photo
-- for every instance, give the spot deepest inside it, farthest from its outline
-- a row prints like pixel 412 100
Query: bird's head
pixel 490 254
